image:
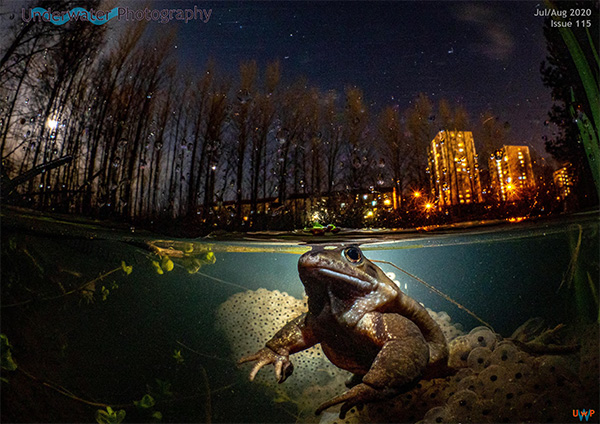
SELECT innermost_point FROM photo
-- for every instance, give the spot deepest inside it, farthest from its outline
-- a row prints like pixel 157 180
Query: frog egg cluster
pixel 249 319
pixel 451 331
pixel 497 382
pixel 589 367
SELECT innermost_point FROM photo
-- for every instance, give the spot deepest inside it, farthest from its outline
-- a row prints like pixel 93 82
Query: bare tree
pixel 355 124
pixel 242 116
pixel 396 149
pixel 199 109
pixel 212 149
pixel 262 119
pixel 420 124
pixel 332 141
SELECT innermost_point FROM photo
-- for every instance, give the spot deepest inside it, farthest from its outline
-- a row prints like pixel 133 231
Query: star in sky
pixel 481 55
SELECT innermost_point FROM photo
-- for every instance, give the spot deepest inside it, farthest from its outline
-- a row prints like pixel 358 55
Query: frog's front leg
pixel 295 336
pixel 402 359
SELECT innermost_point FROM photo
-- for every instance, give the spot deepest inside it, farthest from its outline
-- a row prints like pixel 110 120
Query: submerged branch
pixel 77 290
pixel 438 292
pixel 69 394
pixel 203 354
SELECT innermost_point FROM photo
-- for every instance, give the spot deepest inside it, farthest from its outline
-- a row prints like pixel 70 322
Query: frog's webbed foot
pixel 266 356
pixel 357 395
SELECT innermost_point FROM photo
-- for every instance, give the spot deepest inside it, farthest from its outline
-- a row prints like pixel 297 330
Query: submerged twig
pixel 222 281
pixel 438 292
pixel 78 289
pixel 68 394
pixel 99 278
pixel 203 354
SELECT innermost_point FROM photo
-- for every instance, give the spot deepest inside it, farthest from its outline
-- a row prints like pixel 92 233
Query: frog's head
pixel 345 280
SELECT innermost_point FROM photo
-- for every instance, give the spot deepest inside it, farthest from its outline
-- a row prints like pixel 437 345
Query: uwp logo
pixel 583 414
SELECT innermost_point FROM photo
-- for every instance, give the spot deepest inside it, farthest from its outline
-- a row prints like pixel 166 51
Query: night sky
pixel 483 55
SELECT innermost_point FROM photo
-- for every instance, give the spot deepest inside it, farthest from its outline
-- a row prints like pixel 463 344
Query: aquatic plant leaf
pixel 178 357
pixel 109 416
pixel 208 258
pixel 126 268
pixel 167 264
pixel 5 342
pixel 159 270
pixel 8 363
pixel 105 293
pixel 146 402
pixel 192 265
pixel 164 388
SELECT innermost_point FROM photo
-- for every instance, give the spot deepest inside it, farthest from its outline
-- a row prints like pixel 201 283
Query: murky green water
pixel 85 333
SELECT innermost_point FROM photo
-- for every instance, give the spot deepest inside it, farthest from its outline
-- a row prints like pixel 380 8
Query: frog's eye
pixel 353 254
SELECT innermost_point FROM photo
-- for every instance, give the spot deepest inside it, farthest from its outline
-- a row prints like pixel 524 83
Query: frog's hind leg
pixel 401 360
pixel 400 363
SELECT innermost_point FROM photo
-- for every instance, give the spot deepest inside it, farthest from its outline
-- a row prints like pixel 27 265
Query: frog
pixel 364 323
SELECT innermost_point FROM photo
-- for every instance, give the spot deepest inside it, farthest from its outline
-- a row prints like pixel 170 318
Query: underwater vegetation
pixel 189 256
pixel 59 308
pixel 579 281
pixel 109 416
pixel 159 394
pixel 178 357
pixel 8 363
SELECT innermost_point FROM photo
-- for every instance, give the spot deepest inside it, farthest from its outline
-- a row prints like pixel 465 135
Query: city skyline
pixel 141 120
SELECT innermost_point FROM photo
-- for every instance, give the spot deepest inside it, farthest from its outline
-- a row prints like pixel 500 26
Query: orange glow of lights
pixel 516 219
pixel 428 206
pixel 416 194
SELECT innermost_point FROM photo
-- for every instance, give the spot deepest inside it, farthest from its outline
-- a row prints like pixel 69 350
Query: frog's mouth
pixel 352 281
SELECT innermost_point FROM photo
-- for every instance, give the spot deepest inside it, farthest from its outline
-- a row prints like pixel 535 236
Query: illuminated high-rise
pixel 453 169
pixel 564 180
pixel 511 172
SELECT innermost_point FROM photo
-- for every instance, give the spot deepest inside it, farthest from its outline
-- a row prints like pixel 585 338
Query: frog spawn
pixel 249 319
pixel 498 382
pixel 495 382
pixel 451 330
